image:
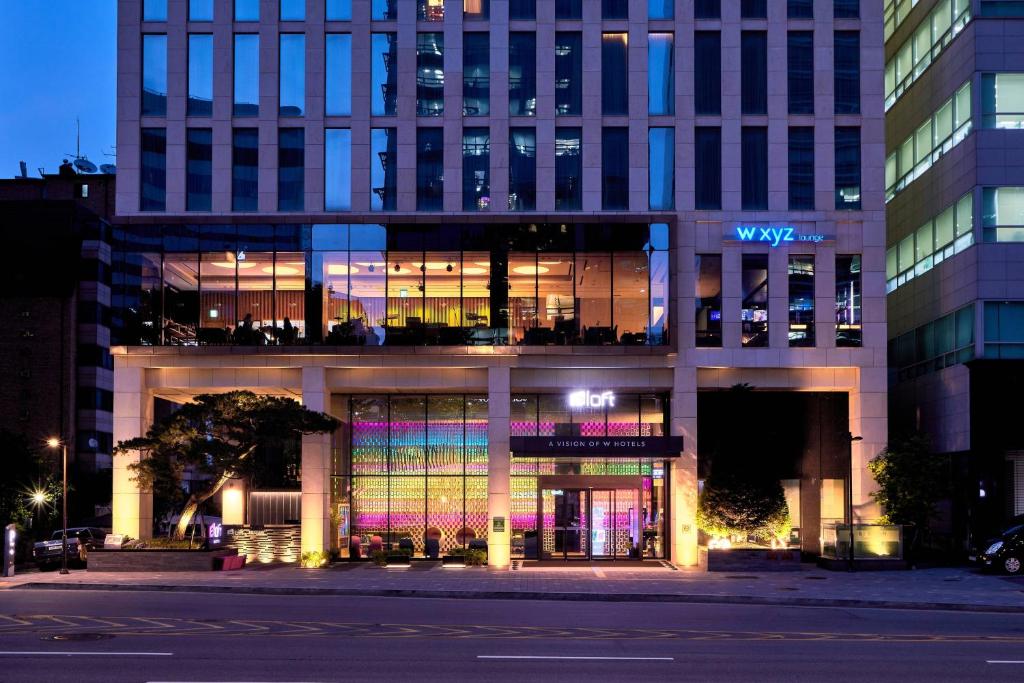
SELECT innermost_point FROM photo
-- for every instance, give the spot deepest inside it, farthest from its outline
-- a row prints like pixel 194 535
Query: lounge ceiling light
pixel 280 270
pixel 530 270
pixel 474 270
pixel 341 269
pixel 230 265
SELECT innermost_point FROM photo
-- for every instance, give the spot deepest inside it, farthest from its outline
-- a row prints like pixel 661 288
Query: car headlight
pixel 994 548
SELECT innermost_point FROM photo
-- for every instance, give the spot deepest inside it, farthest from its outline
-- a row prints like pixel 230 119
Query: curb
pixel 533 595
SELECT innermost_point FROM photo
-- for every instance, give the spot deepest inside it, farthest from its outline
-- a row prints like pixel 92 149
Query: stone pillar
pixel 868 420
pixel 232 502
pixel 316 466
pixel 682 531
pixel 499 467
pixel 132 509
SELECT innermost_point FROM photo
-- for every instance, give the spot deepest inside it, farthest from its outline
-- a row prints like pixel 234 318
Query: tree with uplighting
pixel 216 437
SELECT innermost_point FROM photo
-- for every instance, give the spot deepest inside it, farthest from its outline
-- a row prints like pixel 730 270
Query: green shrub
pixel 380 557
pixel 472 556
pixel 314 559
pixel 161 544
pixel 736 503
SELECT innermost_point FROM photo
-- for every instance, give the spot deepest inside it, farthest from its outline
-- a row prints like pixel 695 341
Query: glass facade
pixel 247 10
pixel 396 285
pixel 475 9
pixel 429 169
pixel 154 10
pixel 847 72
pixel 1002 216
pixel 476 169
pixel 522 10
pixel 153 170
pixel 708 300
pixel 430 10
pixel 848 301
pixel 383 10
pixel 754 72
pixel 848 168
pixel 291 169
pixel 801 168
pixel 522 74
pixel 568 169
pixel 200 74
pixel 245 157
pixel 339 10
pixel 614 74
pixel 429 74
pixel 522 169
pixel 384 74
pixel 800 71
pixel 1002 100
pixel 661 91
pixel 293 10
pixel 292 94
pixel 383 169
pixel 338 169
pixel 338 100
pixel 615 169
pixel 661 145
pixel 754 300
pixel 568 73
pixel 247 74
pixel 754 167
pixel 198 169
pixel 707 73
pixel 801 300
pixel 476 74
pixel 154 74
pixel 707 170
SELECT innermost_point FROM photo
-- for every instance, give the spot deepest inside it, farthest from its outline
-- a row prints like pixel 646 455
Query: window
pixel 568 73
pixel 384 74
pixel 754 174
pixel 801 300
pixel 708 300
pixel 569 9
pixel 847 72
pixel 429 74
pixel 800 71
pixel 198 169
pixel 1002 100
pixel 946 20
pixel 154 10
pixel 293 10
pixel 476 169
pixel 754 72
pixel 800 9
pixel 384 10
pixel 247 10
pixel 338 169
pixel 939 344
pixel 614 9
pixel 153 175
pixel 200 10
pixel 522 169
pixel 474 9
pixel 383 169
pixel 708 168
pixel 430 10
pixel 245 162
pixel 338 101
pixel 568 169
pixel 522 10
pixel 707 73
pixel 848 168
pixel 661 91
pixel 661 143
pixel 614 75
pixel 339 10
pixel 754 9
pixel 200 74
pixel 801 168
pixel 848 312
pixel 1002 217
pixel 939 133
pixel 1004 329
pixel 291 169
pixel 154 74
pixel 846 9
pixel 293 75
pixel 660 9
pixel 476 74
pixel 247 75
pixel 754 301
pixel 614 169
pixel 522 74
pixel 707 9
pixel 429 169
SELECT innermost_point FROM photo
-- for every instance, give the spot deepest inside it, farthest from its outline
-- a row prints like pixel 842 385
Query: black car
pixel 1005 553
pixel 47 554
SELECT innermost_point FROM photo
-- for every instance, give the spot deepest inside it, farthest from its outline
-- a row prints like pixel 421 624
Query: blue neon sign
pixel 774 236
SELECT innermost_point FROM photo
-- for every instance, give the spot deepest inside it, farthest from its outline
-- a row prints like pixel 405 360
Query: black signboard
pixel 596 446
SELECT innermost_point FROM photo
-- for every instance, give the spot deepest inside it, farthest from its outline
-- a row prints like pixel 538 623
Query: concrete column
pixel 499 466
pixel 232 502
pixel 868 420
pixel 133 415
pixel 682 530
pixel 316 466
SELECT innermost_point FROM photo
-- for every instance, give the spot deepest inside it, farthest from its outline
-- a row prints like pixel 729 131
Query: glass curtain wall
pixel 801 300
pixel 522 74
pixel 384 74
pixel 200 74
pixel 568 169
pixel 429 74
pixel 568 73
pixel 754 301
pixel 708 300
pixel 476 74
pixel 848 301
pixel 476 169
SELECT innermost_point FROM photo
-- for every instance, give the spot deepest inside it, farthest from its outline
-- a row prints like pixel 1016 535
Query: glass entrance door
pixel 590 523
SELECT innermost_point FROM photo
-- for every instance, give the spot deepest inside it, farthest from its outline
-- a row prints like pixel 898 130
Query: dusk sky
pixel 58 62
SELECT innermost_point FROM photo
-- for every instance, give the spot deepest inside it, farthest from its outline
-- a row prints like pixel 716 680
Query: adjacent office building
pixel 953 97
pixel 520 249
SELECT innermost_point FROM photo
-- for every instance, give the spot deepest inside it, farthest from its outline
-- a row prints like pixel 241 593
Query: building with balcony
pixel 954 250
pixel 522 250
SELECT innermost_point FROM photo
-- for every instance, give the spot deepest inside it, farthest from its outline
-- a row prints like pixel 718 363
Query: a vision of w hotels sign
pixel 582 446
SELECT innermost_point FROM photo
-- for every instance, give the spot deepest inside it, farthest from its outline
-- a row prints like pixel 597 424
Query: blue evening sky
pixel 57 61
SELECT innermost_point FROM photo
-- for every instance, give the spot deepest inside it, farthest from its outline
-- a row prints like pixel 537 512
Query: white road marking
pixel 74 653
pixel 1004 661
pixel 617 659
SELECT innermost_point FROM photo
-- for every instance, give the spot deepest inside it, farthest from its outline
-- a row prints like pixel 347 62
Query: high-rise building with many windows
pixel 529 253
pixel 954 191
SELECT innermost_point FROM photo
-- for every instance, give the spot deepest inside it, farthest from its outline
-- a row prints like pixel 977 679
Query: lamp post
pixel 54 442
pixel 850 438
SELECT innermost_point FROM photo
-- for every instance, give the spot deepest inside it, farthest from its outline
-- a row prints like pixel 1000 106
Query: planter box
pixel 453 561
pixel 398 559
pixel 752 560
pixel 156 560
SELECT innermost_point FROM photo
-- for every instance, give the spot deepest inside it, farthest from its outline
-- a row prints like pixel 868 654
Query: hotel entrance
pixel 589 523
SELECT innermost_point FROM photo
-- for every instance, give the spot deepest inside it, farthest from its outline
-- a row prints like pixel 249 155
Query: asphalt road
pixel 86 636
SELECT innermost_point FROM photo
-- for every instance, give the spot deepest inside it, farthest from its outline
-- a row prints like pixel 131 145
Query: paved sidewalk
pixel 955 589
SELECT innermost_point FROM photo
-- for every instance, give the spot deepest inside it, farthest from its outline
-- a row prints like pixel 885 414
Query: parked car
pixel 47 554
pixel 1005 553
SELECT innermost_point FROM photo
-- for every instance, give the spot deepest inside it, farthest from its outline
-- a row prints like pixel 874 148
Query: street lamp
pixel 54 442
pixel 850 438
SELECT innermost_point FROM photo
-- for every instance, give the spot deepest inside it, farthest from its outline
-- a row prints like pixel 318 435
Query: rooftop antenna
pixel 24 169
pixel 81 163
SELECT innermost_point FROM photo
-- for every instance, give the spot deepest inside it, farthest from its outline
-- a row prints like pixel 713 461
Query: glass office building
pixel 514 247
